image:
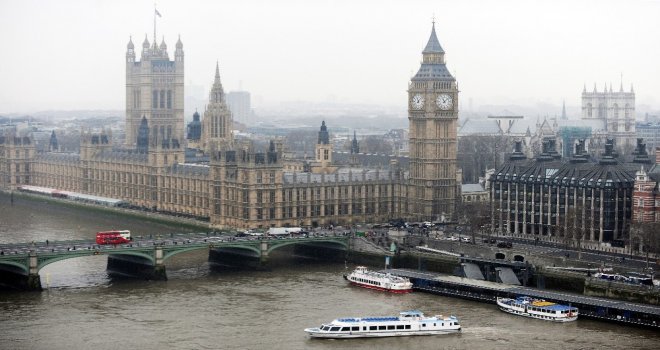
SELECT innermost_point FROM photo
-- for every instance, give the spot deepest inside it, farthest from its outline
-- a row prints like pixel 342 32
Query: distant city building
pixel 650 132
pixel 471 193
pixel 240 106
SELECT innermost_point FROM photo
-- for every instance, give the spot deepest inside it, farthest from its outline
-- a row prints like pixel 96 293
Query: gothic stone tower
pixel 217 124
pixel 616 108
pixel 324 149
pixel 154 90
pixel 432 115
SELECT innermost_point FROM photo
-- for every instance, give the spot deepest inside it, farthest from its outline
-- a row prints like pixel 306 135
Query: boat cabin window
pixel 334 329
pixel 407 326
pixel 423 324
pixel 390 327
pixel 364 328
pixel 399 326
pixel 434 325
pixel 373 328
pixel 355 328
pixel 324 328
pixel 346 329
pixel 381 328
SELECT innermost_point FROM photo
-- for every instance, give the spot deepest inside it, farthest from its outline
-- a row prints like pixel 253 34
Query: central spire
pixel 433 45
pixel 433 61
pixel 217 92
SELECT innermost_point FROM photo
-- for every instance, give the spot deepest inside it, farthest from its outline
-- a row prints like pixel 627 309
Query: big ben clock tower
pixel 432 115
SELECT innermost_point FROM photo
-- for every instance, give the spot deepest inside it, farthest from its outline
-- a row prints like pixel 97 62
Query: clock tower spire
pixel 433 117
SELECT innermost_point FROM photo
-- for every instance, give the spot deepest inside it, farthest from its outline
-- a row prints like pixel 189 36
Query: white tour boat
pixel 379 281
pixel 538 308
pixel 407 323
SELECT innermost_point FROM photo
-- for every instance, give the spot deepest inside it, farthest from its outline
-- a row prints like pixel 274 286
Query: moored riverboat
pixel 538 308
pixel 364 278
pixel 408 323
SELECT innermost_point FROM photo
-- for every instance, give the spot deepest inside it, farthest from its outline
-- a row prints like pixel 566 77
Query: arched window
pixel 154 99
pixel 162 98
pixel 615 108
pixel 589 110
pixel 602 111
pixel 169 132
pixel 169 99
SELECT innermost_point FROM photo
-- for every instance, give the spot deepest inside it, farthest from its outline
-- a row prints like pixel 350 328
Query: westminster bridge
pixel 145 257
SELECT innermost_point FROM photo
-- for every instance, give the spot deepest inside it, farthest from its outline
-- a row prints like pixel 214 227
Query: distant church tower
pixel 324 148
pixel 432 115
pixel 154 90
pixel 615 108
pixel 355 150
pixel 217 124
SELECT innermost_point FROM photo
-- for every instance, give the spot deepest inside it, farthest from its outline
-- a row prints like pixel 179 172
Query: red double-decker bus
pixel 113 237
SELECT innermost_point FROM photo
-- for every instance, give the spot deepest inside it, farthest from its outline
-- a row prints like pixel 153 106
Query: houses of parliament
pixel 241 186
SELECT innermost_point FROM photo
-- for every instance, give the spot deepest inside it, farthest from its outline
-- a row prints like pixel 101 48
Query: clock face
pixel 417 102
pixel 445 102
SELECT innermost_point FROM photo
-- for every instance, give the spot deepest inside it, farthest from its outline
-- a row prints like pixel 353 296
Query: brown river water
pixel 81 307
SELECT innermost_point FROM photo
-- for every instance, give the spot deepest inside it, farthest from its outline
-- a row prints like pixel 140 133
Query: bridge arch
pixel 22 267
pixel 170 253
pixel 335 242
pixel 49 260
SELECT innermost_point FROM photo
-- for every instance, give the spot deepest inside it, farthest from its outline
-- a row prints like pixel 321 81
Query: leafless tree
pixel 570 230
pixel 645 238
pixel 474 215
pixel 476 153
pixel 375 144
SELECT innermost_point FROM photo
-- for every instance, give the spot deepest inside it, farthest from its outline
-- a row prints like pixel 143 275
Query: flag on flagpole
pixel 158 13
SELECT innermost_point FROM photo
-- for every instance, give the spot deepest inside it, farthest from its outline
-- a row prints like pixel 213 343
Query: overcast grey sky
pixel 70 54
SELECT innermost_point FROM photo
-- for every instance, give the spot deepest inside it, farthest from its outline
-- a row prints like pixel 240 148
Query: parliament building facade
pixel 241 186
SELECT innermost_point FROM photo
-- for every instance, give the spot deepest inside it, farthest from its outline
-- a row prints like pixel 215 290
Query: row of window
pixel 364 280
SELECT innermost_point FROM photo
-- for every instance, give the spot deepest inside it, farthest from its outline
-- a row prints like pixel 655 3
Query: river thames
pixel 200 308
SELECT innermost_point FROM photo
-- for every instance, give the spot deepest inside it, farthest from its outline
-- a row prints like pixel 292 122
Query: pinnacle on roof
pixel 217 71
pixel 145 44
pixel 163 46
pixel 179 44
pixel 130 45
pixel 433 45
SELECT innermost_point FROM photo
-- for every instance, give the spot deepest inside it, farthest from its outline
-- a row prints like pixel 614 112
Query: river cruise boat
pixel 538 308
pixel 362 277
pixel 406 324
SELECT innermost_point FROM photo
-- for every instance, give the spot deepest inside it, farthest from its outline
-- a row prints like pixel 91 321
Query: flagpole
pixel 155 22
